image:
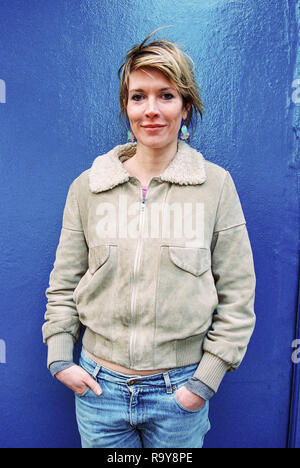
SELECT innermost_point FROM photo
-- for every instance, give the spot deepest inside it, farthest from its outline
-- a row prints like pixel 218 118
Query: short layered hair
pixel 173 62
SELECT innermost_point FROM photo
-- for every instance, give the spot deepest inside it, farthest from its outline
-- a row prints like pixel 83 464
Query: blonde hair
pixel 175 64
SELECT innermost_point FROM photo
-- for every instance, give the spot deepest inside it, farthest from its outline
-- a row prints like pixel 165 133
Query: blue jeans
pixel 138 411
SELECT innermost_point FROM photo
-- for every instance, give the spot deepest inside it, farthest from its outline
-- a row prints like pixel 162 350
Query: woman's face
pixel 155 108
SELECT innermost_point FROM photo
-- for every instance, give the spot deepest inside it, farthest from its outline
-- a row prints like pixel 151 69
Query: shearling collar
pixel 186 168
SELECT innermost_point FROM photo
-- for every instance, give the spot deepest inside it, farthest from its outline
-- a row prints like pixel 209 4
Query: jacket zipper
pixel 136 268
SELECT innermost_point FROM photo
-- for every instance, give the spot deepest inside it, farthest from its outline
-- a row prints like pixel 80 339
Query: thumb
pixel 94 386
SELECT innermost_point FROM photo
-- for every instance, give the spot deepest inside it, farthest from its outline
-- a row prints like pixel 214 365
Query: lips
pixel 153 126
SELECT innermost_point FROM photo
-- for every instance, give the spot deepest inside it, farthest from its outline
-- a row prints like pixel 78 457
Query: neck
pixel 153 161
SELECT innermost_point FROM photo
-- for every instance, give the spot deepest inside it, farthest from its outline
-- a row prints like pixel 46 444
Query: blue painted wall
pixel 59 110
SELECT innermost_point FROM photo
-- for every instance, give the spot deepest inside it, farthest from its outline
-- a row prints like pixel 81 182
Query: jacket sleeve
pixel 62 326
pixel 232 267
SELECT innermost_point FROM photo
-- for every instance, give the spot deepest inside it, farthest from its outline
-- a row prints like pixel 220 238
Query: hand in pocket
pixel 188 399
pixel 78 380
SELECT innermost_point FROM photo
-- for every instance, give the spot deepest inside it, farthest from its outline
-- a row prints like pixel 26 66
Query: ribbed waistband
pixel 172 354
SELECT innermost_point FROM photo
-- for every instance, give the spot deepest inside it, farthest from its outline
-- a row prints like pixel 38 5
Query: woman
pixel 154 260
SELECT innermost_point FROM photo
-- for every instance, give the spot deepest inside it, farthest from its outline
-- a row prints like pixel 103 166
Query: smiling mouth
pixel 152 127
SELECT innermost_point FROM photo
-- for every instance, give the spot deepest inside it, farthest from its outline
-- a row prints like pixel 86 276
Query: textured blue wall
pixel 59 110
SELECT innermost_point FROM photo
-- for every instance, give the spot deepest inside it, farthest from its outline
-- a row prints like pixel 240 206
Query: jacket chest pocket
pixel 186 294
pixel 191 259
pixel 98 256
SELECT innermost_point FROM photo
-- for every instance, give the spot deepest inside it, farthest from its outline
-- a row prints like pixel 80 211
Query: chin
pixel 157 143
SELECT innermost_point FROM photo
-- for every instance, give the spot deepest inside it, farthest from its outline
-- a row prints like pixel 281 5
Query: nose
pixel 152 109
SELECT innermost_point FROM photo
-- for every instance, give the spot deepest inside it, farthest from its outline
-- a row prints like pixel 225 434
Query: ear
pixel 186 110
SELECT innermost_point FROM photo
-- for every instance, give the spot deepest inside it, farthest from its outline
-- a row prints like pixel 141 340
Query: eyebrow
pixel 140 90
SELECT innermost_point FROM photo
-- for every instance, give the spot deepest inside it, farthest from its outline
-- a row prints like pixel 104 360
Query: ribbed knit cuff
pixel 59 366
pixel 211 370
pixel 199 388
pixel 60 348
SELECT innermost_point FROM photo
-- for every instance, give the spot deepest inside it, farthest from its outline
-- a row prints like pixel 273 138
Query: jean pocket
pixel 86 365
pixel 183 408
pixel 81 395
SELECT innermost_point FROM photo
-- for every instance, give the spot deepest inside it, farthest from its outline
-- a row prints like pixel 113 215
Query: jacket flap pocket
pixel 192 259
pixel 97 257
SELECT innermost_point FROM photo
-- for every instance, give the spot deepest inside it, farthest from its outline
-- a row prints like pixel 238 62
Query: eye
pixel 136 97
pixel 167 96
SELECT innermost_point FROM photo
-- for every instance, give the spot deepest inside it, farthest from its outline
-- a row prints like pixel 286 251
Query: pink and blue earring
pixel 130 136
pixel 184 133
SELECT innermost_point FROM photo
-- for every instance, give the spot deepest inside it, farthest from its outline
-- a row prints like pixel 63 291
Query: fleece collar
pixel 186 168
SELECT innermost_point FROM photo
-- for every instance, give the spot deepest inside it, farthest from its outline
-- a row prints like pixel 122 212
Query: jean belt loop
pixel 96 371
pixel 167 382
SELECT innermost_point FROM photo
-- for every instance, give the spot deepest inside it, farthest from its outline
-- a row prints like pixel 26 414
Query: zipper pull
pixel 143 198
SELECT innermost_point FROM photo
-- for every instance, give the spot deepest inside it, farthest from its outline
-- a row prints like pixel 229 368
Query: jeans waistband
pixel 167 378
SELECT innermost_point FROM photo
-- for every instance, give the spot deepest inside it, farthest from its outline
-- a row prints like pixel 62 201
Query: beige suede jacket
pixel 160 282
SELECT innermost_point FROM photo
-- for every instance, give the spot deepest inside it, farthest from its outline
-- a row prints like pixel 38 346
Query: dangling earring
pixel 131 136
pixel 184 135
